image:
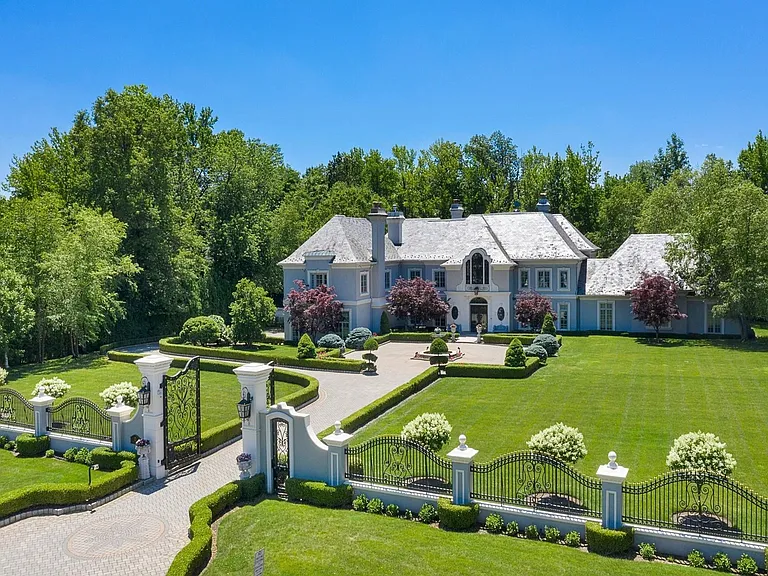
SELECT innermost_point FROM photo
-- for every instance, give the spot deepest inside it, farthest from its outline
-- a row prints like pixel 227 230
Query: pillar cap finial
pixel 612 460
pixel 337 426
pixel 462 442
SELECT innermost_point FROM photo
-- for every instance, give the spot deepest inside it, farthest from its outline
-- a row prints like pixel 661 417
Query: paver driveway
pixel 141 532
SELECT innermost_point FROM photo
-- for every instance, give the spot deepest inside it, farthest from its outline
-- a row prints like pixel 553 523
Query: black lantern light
pixel 244 406
pixel 144 393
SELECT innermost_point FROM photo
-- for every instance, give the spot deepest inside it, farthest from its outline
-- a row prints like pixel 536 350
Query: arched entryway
pixel 478 312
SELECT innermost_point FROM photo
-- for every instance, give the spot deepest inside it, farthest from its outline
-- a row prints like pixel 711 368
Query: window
pixel 414 273
pixel 318 278
pixel 605 316
pixel 544 279
pixel 525 281
pixel 477 270
pixel 714 325
pixel 387 279
pixel 455 313
pixel 563 309
pixel 563 279
pixel 363 283
pixel 344 328
pixel 438 277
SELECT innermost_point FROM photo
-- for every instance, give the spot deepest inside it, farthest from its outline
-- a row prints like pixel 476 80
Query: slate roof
pixel 506 237
pixel 623 271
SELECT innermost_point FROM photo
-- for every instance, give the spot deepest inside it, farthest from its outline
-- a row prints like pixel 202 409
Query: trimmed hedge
pixel 457 516
pixel 416 336
pixel 318 493
pixel 68 494
pixel 604 541
pixel 378 407
pixel 107 459
pixel 342 364
pixel 492 370
pixel 194 557
pixel 28 445
pixel 506 338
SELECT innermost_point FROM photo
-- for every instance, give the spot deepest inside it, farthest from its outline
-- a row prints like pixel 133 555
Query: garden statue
pixel 143 450
pixel 479 329
pixel 453 332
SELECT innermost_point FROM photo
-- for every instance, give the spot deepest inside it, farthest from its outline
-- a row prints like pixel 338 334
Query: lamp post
pixel 90 468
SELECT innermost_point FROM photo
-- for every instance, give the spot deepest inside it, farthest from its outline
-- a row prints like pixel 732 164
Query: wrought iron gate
pixel 281 464
pixel 181 415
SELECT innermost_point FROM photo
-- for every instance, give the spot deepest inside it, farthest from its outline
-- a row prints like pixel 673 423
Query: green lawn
pixel 624 395
pixel 300 539
pixel 91 374
pixel 18 472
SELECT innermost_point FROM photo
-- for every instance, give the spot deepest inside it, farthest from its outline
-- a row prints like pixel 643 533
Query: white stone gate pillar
pixel 153 368
pixel 253 381
pixel 119 413
pixel 41 403
pixel 337 459
pixel 613 477
pixel 461 458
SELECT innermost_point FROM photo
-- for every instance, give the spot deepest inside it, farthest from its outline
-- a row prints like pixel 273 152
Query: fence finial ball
pixel 462 442
pixel 612 459
pixel 337 425
pixel 119 400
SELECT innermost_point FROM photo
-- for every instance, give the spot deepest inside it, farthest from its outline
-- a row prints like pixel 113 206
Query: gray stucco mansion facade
pixel 479 264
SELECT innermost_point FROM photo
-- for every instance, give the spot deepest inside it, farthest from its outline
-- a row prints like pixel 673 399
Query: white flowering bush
pixel 127 390
pixel 431 429
pixel 3 376
pixel 700 451
pixel 561 441
pixel 55 387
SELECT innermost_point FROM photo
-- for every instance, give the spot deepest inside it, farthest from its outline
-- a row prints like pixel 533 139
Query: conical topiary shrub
pixel 515 356
pixel 548 327
pixel 384 324
pixel 306 348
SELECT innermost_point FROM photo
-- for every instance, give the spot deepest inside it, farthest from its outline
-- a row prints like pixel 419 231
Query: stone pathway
pixel 141 532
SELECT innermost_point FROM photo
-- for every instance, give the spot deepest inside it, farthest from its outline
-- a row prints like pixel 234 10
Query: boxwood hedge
pixel 492 370
pixel 457 516
pixel 28 445
pixel 68 494
pixel 318 493
pixel 193 558
pixel 604 541
pixel 505 338
pixel 107 459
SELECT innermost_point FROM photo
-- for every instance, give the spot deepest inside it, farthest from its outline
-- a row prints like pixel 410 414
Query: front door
pixel 478 313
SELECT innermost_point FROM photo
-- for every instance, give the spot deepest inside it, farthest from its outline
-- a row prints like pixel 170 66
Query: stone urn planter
pixel 244 465
pixel 143 450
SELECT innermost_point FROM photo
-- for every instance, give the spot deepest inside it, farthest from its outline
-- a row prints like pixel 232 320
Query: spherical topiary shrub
pixel 431 429
pixel 548 327
pixel 438 346
pixel 357 338
pixel 306 348
pixel 200 330
pixel 548 342
pixel 331 341
pixel 537 351
pixel 560 441
pixel 700 451
pixel 515 356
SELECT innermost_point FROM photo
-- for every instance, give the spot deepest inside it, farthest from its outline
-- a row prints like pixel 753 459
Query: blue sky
pixel 318 77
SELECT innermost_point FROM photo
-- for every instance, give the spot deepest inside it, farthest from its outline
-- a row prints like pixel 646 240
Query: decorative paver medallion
pixel 115 536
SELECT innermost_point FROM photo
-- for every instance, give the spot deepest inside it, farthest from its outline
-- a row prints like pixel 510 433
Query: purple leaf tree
pixel 417 300
pixel 530 309
pixel 654 302
pixel 313 311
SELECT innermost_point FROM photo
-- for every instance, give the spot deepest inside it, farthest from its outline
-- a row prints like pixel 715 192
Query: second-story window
pixel 438 277
pixel 564 281
pixel 477 270
pixel 364 283
pixel 525 278
pixel 318 278
pixel 543 279
pixel 387 279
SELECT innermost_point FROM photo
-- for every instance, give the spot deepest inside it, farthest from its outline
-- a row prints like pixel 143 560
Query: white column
pixel 613 477
pixel 461 457
pixel 153 368
pixel 337 460
pixel 119 413
pixel 253 380
pixel 41 402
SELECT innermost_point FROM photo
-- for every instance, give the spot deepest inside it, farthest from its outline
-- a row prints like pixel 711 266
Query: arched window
pixel 477 269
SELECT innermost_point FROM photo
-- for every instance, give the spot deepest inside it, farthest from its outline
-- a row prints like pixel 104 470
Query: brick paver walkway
pixel 141 532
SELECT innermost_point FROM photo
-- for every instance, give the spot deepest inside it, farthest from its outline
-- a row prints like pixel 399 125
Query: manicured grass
pixel 90 375
pixel 301 539
pixel 18 472
pixel 626 395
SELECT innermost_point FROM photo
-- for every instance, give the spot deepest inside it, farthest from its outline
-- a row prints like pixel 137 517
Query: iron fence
pixel 15 409
pixel 538 481
pixel 700 502
pixel 80 417
pixel 395 461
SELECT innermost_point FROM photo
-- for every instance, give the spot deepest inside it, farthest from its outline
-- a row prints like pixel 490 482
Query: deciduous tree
pixel 251 310
pixel 313 311
pixel 416 300
pixel 654 302
pixel 531 308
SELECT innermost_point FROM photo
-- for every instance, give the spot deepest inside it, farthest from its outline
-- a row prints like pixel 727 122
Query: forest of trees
pixel 141 214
